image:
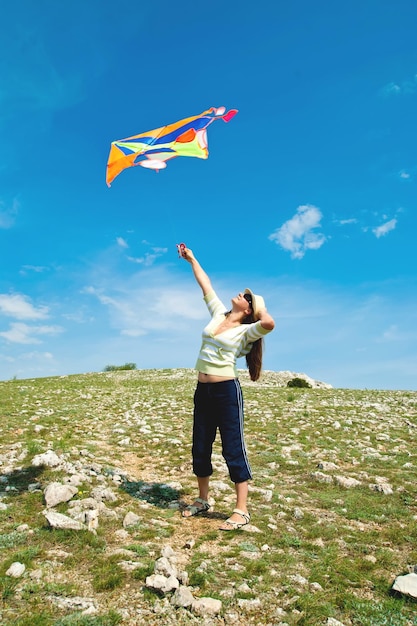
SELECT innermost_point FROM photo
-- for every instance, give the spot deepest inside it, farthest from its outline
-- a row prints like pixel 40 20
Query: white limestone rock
pixel 206 606
pixel 406 584
pixel 58 520
pixel 321 477
pixel 16 570
pixel 131 519
pixel 384 488
pixel 49 458
pixel 55 493
pixel 346 482
pixel 162 583
pixel 74 603
pixel 182 597
pixel 165 567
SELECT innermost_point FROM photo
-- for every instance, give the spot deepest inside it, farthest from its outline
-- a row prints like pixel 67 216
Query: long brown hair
pixel 254 357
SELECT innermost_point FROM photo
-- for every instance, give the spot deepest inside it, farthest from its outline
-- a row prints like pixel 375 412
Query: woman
pixel 218 401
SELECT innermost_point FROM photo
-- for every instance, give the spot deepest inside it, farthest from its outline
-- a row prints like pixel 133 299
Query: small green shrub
pixel 109 619
pixel 107 580
pixel 298 382
pixel 138 549
pixel 141 573
pixel 198 579
pixel 34 619
pixel 119 368
pixel 10 540
pixel 107 574
pixel 7 587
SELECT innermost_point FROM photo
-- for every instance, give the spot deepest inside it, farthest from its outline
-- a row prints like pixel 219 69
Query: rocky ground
pixel 95 470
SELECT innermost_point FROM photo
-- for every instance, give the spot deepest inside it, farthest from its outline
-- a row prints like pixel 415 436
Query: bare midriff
pixel 212 378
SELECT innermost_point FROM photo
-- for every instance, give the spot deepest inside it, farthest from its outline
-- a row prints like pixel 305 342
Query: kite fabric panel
pixel 187 137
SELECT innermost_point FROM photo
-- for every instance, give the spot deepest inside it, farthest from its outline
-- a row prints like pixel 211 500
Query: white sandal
pixel 236 525
pixel 195 509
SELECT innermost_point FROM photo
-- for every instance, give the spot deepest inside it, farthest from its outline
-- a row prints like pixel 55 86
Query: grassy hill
pixel 333 503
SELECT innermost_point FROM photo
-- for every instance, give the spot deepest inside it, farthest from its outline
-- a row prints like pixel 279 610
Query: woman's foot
pixel 237 520
pixel 199 506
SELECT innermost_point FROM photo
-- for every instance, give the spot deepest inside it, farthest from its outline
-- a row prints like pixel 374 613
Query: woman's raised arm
pixel 199 274
pixel 267 321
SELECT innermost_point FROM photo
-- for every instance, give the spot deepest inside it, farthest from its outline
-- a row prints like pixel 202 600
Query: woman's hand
pixel 266 320
pixel 187 254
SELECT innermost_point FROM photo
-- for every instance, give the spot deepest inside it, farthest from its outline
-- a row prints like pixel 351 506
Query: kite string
pixel 174 234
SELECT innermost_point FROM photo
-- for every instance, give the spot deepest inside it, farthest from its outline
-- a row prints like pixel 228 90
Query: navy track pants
pixel 219 406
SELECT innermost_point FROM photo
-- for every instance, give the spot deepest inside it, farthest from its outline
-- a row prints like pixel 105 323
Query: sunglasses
pixel 248 299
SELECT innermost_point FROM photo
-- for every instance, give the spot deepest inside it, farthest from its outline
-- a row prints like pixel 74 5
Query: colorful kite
pixel 152 149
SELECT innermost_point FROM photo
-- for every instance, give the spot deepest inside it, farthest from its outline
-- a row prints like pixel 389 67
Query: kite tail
pixel 229 115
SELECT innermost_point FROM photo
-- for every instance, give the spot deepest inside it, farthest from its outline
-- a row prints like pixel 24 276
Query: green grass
pixel 107 575
pixel 352 542
pixel 138 549
pixel 44 618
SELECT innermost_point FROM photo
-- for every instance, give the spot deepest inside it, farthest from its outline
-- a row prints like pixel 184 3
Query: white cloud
pixel 391 334
pixel 27 364
pixel 6 358
pixel 38 269
pixel 403 88
pixel 23 333
pixel 149 258
pixel 405 175
pixel 20 307
pixel 382 230
pixel 107 300
pixel 391 89
pixel 132 332
pixel 122 242
pixel 80 316
pixel 351 220
pixel 127 309
pixel 29 356
pixel 297 234
pixel 150 301
pixel 182 300
pixel 398 335
pixel 8 213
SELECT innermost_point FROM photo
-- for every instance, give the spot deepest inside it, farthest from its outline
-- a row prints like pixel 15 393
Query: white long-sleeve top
pixel 218 353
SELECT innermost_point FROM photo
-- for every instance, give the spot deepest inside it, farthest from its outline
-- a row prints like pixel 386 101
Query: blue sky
pixel 308 196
